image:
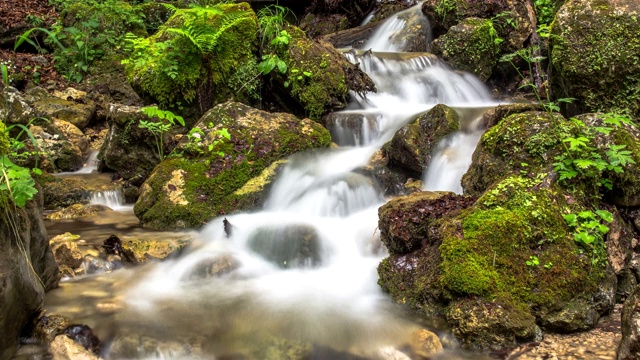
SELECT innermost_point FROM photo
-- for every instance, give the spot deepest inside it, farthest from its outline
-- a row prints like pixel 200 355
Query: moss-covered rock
pixel 77 113
pixel 128 149
pixel 173 70
pixel 525 141
pixel 318 76
pixel 486 252
pixel 319 25
pixel 595 55
pixel 411 147
pixel 469 46
pixel 188 191
pixel 140 250
pixel 15 109
pixel 511 19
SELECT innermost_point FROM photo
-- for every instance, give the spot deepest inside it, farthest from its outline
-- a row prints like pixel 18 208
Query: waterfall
pixel 111 198
pixel 304 266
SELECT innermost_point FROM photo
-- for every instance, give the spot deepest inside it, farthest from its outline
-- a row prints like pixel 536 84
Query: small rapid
pixel 304 267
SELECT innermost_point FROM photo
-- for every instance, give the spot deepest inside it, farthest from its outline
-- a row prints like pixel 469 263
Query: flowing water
pixel 304 267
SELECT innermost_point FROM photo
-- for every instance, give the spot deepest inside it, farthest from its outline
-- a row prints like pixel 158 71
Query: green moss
pixel 173 70
pixel 589 43
pixel 5 143
pixel 469 46
pixel 516 219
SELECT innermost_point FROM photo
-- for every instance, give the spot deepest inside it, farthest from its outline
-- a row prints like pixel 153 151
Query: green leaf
pixel 605 215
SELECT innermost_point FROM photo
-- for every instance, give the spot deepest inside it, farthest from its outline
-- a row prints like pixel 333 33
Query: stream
pixel 302 270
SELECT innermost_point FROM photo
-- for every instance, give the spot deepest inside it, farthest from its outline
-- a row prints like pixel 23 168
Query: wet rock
pixel 406 222
pixel 493 116
pixel 63 348
pixel 412 146
pixel 254 192
pixel 469 46
pixel 62 192
pixel 348 129
pixel 324 75
pixel 128 149
pixel 629 347
pixel 77 211
pixel 288 246
pixel 77 113
pixel 354 11
pixel 84 336
pixel 391 353
pixel 95 265
pixel 215 267
pixel 425 343
pixel 522 141
pixel 141 346
pixel 45 328
pixel 390 181
pixel 627 282
pixel 189 191
pixel 140 251
pixel 320 25
pixel 587 42
pixel 67 254
pixel 25 250
pixel 415 35
pixel 490 325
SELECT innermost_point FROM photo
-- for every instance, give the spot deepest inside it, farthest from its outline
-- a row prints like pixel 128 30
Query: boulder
pixel 128 150
pixel 63 191
pixel 411 147
pixel 425 343
pixel 469 46
pixel 26 271
pixel 287 246
pixel 76 211
pixel 476 266
pixel 140 250
pixel 215 267
pixel 67 254
pixel 46 327
pixel 629 347
pixel 64 348
pixel 77 113
pixel 595 56
pixel 15 108
pixel 322 77
pixel 205 182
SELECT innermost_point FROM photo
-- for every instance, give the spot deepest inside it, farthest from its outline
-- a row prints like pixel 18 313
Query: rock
pixel 67 254
pixel 629 347
pixel 83 335
pixel 469 46
pixel 490 325
pixel 353 11
pixel 254 192
pixel 405 222
pixel 63 348
pixel 78 114
pixel 620 244
pixel 425 343
pixel 391 353
pixel 287 246
pixel 215 267
pixel 78 140
pixel 627 282
pixel 512 19
pixel 414 35
pixel 63 192
pixel 319 25
pixel 140 251
pixel 411 146
pixel 349 129
pixel 323 78
pixel 141 346
pixel 595 56
pixel 22 291
pixel 46 328
pixel 493 116
pixel 76 211
pixel 188 191
pixel 522 141
pixel 128 149
pixel 19 110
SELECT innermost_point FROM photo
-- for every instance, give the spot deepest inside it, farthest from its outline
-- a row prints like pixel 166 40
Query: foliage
pixel 582 158
pixel 273 61
pixel 24 37
pixel 444 7
pixel 271 21
pixel 167 119
pixel 98 28
pixel 195 140
pixel 544 11
pixel 533 261
pixel 589 231
pixel 195 47
pixel 17 182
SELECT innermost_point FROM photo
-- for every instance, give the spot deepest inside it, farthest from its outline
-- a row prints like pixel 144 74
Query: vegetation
pixel 167 119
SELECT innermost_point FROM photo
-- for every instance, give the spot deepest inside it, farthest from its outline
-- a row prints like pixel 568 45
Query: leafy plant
pixel 544 10
pixel 271 21
pixel 444 7
pixel 167 119
pixel 17 181
pixel 533 261
pixel 589 230
pixel 25 38
pixel 582 157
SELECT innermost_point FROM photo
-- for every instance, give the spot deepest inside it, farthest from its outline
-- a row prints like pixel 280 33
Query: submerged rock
pixel 142 250
pixel 287 246
pixel 215 267
pixel 76 211
pixel 64 348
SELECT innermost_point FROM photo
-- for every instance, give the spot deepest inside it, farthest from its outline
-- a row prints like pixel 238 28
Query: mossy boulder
pixel 15 109
pixel 595 55
pixel 173 70
pixel 77 113
pixel 318 76
pixel 141 250
pixel 411 147
pixel 319 25
pixel 469 46
pixel 188 191
pixel 523 141
pixel 511 19
pixel 128 150
pixel 287 246
pixel 481 264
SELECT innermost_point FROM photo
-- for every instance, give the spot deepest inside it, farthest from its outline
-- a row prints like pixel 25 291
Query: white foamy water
pixel 111 198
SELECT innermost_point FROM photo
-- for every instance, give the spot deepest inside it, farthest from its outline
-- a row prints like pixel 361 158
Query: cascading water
pixel 304 267
pixel 111 198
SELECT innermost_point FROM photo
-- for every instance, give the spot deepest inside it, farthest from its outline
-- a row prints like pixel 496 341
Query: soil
pixel 17 13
